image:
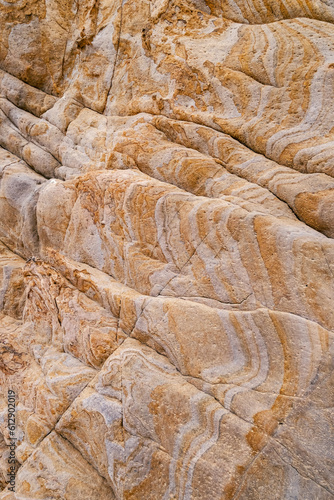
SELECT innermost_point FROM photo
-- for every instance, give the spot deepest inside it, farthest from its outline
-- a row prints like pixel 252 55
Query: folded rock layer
pixel 166 249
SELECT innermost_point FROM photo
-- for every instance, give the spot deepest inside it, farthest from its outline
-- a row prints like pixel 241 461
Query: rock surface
pixel 167 253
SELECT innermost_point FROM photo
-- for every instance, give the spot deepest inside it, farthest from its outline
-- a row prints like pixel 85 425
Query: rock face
pixel 167 253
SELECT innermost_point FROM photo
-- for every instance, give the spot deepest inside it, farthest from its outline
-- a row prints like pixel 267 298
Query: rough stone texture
pixel 167 254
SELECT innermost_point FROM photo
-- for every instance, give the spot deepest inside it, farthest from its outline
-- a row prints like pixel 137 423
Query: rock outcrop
pixel 167 253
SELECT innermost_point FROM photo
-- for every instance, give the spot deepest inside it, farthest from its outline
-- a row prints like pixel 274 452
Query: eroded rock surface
pixel 167 252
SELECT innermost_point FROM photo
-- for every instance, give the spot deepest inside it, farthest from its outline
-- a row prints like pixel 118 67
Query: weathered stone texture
pixel 166 248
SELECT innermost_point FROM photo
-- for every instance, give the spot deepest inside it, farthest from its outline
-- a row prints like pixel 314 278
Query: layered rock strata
pixel 167 254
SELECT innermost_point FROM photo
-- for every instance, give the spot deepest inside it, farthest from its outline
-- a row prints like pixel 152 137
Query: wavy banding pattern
pixel 167 254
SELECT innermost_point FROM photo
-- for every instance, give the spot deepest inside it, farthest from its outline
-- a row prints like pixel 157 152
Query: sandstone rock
pixel 166 249
pixel 45 379
pixel 57 470
pixel 12 289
